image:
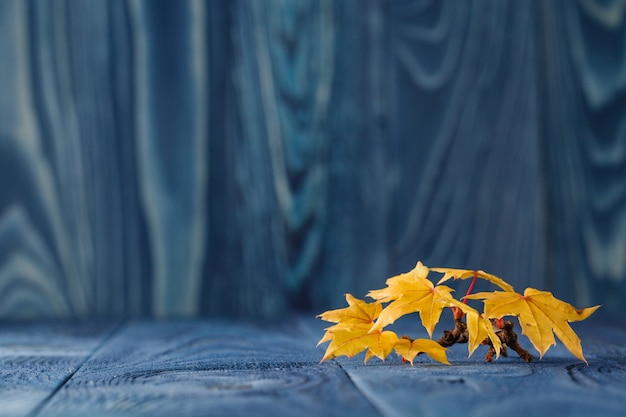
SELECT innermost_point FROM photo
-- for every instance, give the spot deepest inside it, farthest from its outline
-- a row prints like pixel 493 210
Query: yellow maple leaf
pixel 410 349
pixel 479 328
pixel 409 293
pixel 540 315
pixel 351 335
pixel 449 273
pixel 357 312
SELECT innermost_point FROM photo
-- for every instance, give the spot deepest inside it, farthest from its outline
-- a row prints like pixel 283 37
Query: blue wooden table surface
pixel 235 368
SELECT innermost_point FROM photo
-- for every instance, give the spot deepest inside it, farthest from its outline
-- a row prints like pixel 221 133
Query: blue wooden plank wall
pixel 181 158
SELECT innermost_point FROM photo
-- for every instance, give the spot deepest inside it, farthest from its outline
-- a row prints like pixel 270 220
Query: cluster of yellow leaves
pixel 353 334
pixel 360 326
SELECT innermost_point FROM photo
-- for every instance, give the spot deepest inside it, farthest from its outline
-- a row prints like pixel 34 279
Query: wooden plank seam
pixel 35 412
pixel 359 390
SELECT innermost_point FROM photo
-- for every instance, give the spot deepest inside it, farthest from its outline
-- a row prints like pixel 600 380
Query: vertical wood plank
pixel 37 270
pixel 277 177
pixel 584 125
pixel 467 185
pixel 357 245
pixel 172 142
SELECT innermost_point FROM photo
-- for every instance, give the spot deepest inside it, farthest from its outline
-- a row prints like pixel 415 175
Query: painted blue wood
pixel 38 358
pixel 583 71
pixel 465 182
pixel 236 368
pixel 556 385
pixel 209 368
pixel 187 158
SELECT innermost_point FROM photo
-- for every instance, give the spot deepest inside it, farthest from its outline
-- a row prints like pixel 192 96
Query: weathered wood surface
pixel 236 368
pixel 37 359
pixel 158 155
pixel 557 385
pixel 208 368
pixel 584 122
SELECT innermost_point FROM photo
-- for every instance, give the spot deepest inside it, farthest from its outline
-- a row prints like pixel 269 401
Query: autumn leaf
pixel 540 315
pixel 351 335
pixel 409 293
pixel 410 349
pixel 358 311
pixel 449 273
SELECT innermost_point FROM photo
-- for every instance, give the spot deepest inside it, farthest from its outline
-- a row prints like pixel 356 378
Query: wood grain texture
pixel 464 164
pixel 241 368
pixel 72 228
pixel 584 123
pixel 557 385
pixel 250 158
pixel 36 359
pixel 209 368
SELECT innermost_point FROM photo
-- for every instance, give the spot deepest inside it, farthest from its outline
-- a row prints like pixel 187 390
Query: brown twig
pixel 457 335
pixel 508 338
pixel 505 332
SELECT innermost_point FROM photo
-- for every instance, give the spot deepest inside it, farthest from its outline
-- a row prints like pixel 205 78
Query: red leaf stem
pixel 471 287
